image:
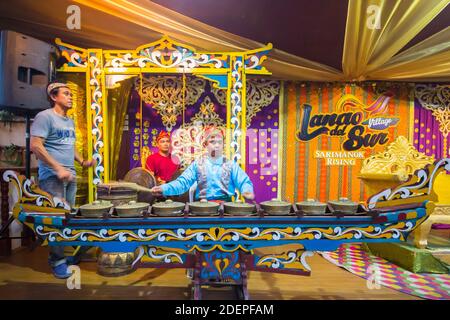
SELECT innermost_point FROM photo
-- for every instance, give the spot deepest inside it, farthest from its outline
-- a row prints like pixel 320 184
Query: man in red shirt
pixel 160 164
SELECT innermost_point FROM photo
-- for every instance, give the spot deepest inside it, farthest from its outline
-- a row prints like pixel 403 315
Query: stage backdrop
pixel 361 120
pixel 289 151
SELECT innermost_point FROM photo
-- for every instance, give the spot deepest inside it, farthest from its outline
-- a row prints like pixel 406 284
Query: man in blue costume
pixel 217 178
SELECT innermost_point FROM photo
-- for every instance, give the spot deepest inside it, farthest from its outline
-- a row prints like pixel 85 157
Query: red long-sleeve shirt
pixel 163 167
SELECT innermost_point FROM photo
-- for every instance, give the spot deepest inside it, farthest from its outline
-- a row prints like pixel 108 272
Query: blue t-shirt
pixel 59 135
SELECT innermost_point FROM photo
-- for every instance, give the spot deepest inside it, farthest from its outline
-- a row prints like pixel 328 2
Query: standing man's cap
pixel 55 85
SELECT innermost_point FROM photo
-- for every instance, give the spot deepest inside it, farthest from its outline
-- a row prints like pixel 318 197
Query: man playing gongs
pixel 217 178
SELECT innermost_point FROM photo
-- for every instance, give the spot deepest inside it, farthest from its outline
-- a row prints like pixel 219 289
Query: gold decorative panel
pixel 400 158
pixel 260 94
pixel 165 95
pixel 207 115
pixel 437 100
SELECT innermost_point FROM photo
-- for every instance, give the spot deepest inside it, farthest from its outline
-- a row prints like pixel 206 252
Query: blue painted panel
pixel 221 80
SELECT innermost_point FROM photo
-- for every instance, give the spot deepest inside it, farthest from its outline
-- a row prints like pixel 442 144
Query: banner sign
pixel 360 127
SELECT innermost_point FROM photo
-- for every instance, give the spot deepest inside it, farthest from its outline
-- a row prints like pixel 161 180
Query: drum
pixel 116 193
pixel 144 178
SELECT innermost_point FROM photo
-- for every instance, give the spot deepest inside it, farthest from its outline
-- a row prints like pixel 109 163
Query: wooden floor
pixel 26 275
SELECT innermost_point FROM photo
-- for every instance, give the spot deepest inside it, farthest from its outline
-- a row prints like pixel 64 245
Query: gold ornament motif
pixel 220 94
pixel 165 94
pixel 433 97
pixel 260 94
pixel 144 155
pixel 389 168
pixel 207 115
pixel 401 158
pixel 437 100
pixel 165 53
pixel 442 210
pixel 443 117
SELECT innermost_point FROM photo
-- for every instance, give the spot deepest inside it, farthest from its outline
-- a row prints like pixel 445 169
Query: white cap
pixel 55 85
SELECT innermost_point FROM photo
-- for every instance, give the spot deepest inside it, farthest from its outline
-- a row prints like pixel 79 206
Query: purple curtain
pixel 262 152
pixel 427 137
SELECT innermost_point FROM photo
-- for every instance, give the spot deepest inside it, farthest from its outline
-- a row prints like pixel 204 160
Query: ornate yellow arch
pixel 227 70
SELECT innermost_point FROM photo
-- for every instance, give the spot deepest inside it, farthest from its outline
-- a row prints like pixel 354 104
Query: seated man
pixel 217 177
pixel 160 164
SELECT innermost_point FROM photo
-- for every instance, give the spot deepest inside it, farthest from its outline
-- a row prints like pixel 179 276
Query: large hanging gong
pixel 144 178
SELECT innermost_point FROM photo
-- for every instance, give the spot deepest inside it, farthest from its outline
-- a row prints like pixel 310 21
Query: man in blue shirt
pixel 217 178
pixel 53 143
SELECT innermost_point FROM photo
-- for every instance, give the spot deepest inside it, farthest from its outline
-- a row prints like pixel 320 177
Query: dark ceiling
pixel 313 30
